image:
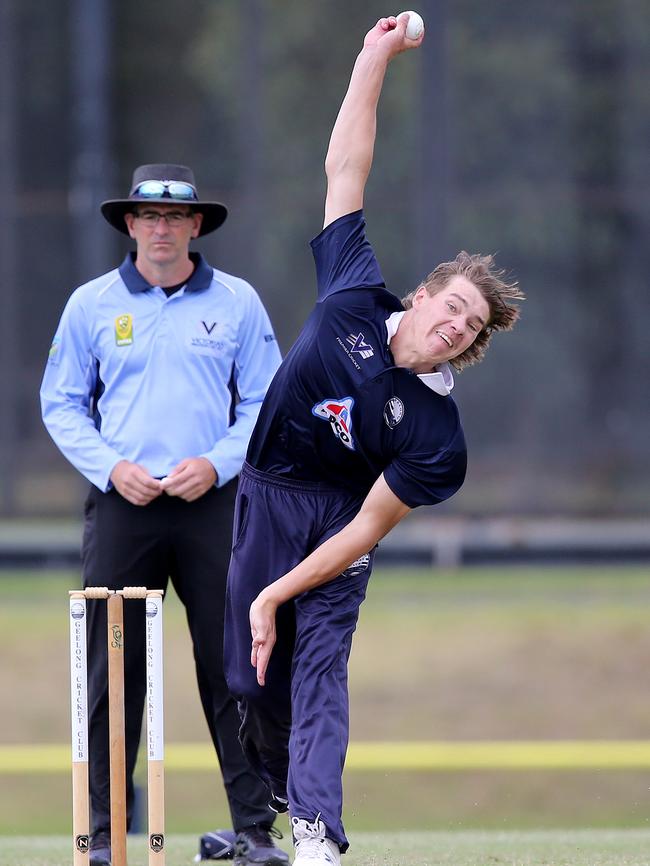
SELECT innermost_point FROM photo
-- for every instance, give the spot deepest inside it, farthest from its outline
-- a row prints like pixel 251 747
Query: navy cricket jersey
pixel 338 410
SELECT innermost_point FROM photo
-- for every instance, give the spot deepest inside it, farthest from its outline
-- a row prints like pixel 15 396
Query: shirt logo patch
pixel 339 415
pixel 54 348
pixel 124 330
pixel 210 338
pixel 358 343
pixel 393 412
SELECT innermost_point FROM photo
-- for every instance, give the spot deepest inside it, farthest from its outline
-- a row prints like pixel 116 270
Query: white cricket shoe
pixel 313 848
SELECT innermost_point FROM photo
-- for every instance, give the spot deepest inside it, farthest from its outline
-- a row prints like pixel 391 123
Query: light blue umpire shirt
pixel 135 375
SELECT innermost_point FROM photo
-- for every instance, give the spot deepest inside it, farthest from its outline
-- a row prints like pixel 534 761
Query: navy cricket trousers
pixel 294 729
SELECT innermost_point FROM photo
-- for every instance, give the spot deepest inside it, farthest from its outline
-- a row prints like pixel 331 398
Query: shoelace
pixel 316 829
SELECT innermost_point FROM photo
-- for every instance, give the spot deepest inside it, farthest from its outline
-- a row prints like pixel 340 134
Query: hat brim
pixel 214 213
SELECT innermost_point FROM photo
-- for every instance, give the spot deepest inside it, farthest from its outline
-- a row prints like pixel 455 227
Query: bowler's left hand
pixel 193 477
pixel 262 619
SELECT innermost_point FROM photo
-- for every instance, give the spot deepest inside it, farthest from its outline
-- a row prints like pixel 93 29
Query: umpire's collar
pixel 200 279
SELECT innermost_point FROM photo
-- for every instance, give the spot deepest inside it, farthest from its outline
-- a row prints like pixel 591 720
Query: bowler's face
pixel 447 323
pixel 163 231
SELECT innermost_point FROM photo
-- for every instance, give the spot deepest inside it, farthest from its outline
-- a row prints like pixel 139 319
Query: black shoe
pixel 255 847
pixel 217 845
pixel 100 849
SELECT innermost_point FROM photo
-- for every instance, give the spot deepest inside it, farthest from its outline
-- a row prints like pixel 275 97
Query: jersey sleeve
pixel 428 478
pixel 429 459
pixel 69 380
pixel 344 258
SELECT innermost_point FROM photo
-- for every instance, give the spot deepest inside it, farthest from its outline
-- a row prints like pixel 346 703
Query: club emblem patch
pixel 339 414
pixel 124 330
pixel 393 412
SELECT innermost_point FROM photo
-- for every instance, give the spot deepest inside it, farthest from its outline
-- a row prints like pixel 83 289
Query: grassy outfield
pixel 475 655
pixel 547 848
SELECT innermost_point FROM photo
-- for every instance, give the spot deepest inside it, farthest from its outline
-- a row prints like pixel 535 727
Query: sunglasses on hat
pixel 174 189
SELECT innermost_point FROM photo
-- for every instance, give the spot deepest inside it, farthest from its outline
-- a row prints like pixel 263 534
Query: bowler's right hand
pixel 134 483
pixel 262 620
pixel 389 36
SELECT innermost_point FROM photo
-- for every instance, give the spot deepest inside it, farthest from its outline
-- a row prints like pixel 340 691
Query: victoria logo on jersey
pixel 393 412
pixel 359 345
pixel 339 414
pixel 209 338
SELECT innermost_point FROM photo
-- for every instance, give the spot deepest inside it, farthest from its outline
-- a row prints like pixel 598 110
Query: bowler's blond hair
pixel 491 283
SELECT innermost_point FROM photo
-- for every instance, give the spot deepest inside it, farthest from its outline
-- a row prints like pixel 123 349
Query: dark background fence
pixel 519 128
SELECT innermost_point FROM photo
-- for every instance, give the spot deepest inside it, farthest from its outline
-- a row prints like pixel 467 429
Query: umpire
pixel 154 381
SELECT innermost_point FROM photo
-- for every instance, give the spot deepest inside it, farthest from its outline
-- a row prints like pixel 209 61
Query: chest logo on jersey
pixel 124 330
pixel 359 345
pixel 339 415
pixel 210 338
pixel 393 412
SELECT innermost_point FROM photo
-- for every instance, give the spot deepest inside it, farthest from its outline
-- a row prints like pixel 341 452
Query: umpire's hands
pixel 262 619
pixel 193 477
pixel 134 483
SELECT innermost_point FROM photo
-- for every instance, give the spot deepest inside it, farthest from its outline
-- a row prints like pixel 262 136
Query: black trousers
pixel 189 543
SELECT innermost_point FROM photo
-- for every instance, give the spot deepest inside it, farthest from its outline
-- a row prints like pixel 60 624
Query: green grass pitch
pixel 541 848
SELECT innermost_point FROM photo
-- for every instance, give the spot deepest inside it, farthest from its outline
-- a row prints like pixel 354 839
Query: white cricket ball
pixel 415 26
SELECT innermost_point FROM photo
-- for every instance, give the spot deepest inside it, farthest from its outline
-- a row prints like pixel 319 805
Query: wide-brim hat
pixel 177 186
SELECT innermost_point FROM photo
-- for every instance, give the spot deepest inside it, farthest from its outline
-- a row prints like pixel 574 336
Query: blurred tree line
pixel 519 128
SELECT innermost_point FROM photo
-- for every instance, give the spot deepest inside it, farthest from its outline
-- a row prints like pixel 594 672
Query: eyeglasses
pixel 166 189
pixel 150 218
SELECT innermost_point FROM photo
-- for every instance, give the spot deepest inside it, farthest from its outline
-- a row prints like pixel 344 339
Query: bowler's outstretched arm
pixel 351 147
